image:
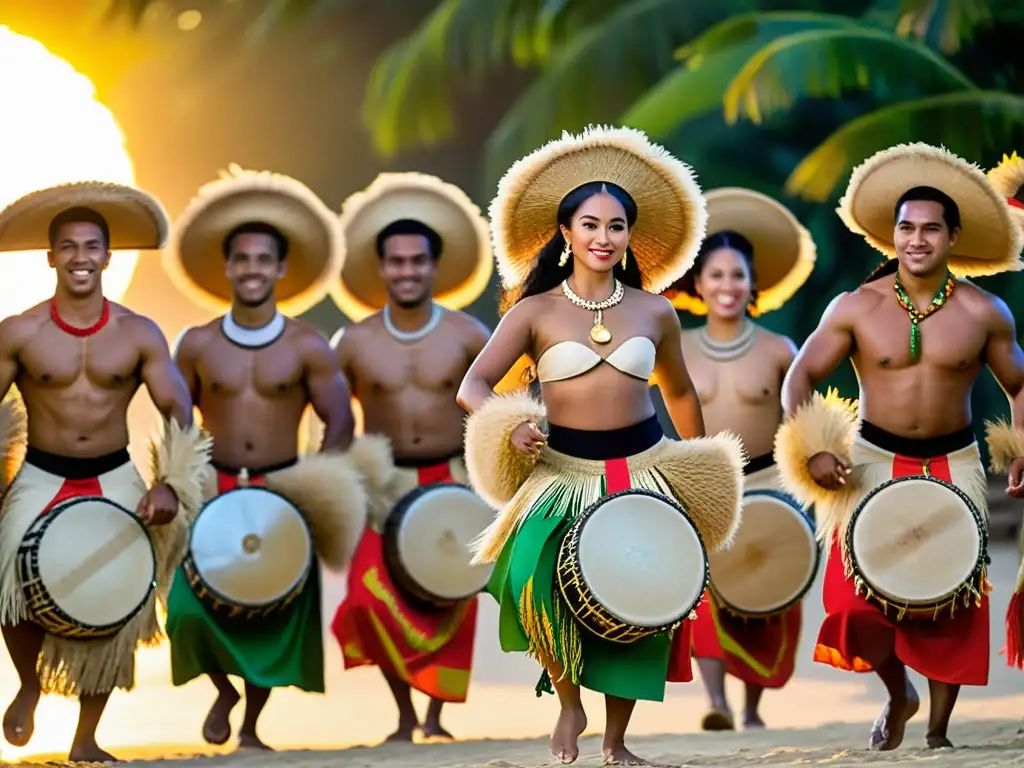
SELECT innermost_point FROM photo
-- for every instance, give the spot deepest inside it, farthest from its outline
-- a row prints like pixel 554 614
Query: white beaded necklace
pixel 408 337
pixel 598 332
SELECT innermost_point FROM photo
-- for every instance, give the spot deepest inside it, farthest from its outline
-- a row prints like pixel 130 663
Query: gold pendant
pixel 600 334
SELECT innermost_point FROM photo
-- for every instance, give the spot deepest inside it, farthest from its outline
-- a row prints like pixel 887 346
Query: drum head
pixel 916 540
pixel 438 524
pixel 96 561
pixel 773 558
pixel 252 546
pixel 642 558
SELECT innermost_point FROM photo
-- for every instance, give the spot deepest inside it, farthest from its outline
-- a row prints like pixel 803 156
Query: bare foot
pixel 435 731
pixel 252 741
pixel 887 732
pixel 404 733
pixel 89 752
pixel 937 742
pixel 217 728
pixel 752 721
pixel 565 738
pixel 19 719
pixel 719 718
pixel 621 756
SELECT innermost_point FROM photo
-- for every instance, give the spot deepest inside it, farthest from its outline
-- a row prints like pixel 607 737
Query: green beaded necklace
pixel 915 316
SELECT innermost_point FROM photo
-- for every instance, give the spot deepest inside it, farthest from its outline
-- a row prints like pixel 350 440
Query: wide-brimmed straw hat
pixel 1008 178
pixel 671 210
pixel 136 219
pixel 989 241
pixel 784 251
pixel 464 267
pixel 195 256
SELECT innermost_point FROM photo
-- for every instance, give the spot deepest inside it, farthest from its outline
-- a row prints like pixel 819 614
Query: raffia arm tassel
pixel 824 423
pixel 1005 443
pixel 1015 624
pixel 181 460
pixel 13 437
pixel 328 490
pixel 496 469
pixel 372 458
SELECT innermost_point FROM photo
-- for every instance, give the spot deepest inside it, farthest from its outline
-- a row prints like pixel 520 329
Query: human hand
pixel 159 506
pixel 827 470
pixel 1015 479
pixel 528 438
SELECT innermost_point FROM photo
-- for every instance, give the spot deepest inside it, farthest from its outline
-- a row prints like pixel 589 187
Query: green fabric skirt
pixel 284 650
pixel 524 583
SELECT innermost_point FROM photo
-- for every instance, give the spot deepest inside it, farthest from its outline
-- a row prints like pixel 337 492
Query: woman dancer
pixel 737 368
pixel 629 221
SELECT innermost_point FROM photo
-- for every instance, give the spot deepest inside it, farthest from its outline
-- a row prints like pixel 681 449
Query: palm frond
pixel 598 72
pixel 827 63
pixel 973 124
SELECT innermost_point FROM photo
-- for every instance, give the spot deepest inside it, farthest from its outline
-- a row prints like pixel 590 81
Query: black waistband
pixel 413 462
pixel 75 467
pixel 601 445
pixel 917 447
pixel 758 463
pixel 253 471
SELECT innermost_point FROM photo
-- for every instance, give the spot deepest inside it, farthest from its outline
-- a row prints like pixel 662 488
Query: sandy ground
pixel 834 710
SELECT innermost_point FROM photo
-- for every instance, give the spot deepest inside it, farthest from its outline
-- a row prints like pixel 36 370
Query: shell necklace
pixel 725 351
pixel 410 337
pixel 599 334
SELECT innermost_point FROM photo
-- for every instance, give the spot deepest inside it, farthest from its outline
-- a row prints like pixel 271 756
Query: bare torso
pixel 251 400
pixel 603 398
pixel 931 396
pixel 76 389
pixel 407 391
pixel 743 396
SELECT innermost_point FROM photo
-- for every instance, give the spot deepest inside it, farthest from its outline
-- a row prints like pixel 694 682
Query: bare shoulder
pixel 306 337
pixel 195 339
pixel 139 328
pixel 844 310
pixel 779 345
pixel 17 330
pixel 654 305
pixel 983 306
pixel 365 330
pixel 467 325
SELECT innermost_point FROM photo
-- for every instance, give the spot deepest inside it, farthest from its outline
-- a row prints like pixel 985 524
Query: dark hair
pixel 950 214
pixel 79 215
pixel 950 210
pixel 257 228
pixel 546 272
pixel 725 239
pixel 410 227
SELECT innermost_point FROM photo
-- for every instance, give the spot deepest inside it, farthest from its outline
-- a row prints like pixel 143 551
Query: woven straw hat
pixel 136 219
pixel 989 242
pixel 195 258
pixel 464 267
pixel 784 251
pixel 1008 178
pixel 671 210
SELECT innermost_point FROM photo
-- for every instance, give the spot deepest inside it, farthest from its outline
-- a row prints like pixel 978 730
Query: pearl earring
pixel 566 253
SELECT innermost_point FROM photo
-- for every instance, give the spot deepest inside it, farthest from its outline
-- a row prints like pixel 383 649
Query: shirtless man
pixel 914 411
pixel 404 365
pixel 77 360
pixel 252 372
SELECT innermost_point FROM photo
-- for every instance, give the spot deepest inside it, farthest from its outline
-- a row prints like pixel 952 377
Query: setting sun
pixel 53 130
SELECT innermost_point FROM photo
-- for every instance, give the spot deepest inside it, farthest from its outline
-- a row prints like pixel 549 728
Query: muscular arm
pixel 329 395
pixel 185 357
pixel 674 381
pixel 821 354
pixel 9 344
pixel 510 341
pixel 1006 359
pixel 167 388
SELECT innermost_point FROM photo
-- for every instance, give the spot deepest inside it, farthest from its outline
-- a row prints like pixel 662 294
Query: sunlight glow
pixel 52 131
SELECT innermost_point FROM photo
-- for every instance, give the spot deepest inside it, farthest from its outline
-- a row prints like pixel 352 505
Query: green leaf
pixel 598 72
pixel 827 63
pixel 971 124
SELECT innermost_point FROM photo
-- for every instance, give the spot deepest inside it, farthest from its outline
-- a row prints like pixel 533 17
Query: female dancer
pixel 737 369
pixel 629 221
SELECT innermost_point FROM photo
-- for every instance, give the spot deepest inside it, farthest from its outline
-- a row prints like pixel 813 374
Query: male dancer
pixel 252 373
pixel 77 361
pixel 405 364
pixel 918 339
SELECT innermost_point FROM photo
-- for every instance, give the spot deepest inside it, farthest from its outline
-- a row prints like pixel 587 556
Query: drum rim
pixel 815 570
pixel 404 502
pixel 574 531
pixel 45 520
pixel 936 605
pixel 189 561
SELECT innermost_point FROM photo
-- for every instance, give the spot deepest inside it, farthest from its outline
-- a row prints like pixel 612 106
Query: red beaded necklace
pixel 75 331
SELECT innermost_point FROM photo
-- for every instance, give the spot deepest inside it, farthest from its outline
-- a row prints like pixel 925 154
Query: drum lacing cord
pixel 973 591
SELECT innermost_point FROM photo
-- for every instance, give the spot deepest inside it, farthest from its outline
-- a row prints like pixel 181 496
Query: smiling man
pixel 918 338
pixel 77 361
pixel 410 238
